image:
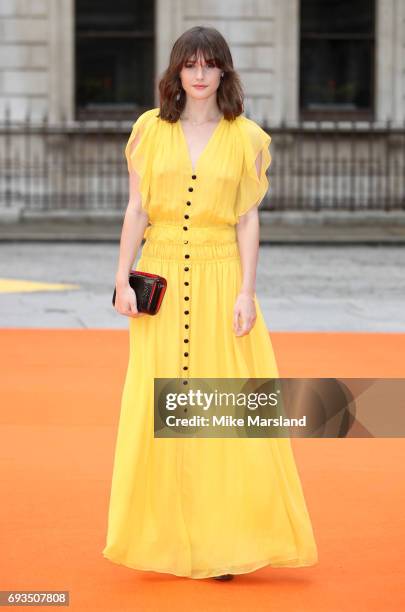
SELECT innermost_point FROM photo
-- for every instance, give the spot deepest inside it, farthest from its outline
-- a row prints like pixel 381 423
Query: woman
pixel 199 507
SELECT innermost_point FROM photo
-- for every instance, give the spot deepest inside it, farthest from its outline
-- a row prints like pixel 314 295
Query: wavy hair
pixel 213 47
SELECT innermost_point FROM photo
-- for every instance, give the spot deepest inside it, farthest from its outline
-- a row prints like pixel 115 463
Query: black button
pixel 185 228
pixel 185 241
pixel 193 176
pixel 186 283
pixel 188 203
pixel 186 269
pixel 185 367
pixel 187 326
pixel 187 256
pixel 186 298
pixel 186 311
pixel 186 340
pixel 185 354
pixel 190 189
pixel 186 216
pixel 185 382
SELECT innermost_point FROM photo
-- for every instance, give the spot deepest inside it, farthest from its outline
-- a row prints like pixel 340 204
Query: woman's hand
pixel 125 301
pixel 245 310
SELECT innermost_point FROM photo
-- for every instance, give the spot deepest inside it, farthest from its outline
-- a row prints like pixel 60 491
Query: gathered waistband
pixel 165 241
pixel 196 235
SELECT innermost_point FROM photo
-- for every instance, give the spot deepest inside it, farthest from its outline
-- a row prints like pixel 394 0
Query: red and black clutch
pixel 149 290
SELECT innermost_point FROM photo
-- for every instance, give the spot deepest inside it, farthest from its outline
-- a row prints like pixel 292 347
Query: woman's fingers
pixel 125 303
pixel 133 309
pixel 242 324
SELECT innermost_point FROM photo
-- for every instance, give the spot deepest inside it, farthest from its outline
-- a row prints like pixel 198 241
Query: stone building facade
pixel 53 53
pixel 37 53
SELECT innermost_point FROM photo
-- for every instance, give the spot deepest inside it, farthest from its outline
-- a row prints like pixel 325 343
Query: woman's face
pixel 198 72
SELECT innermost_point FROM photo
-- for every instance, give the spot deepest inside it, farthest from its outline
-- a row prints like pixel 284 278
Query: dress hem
pixel 289 563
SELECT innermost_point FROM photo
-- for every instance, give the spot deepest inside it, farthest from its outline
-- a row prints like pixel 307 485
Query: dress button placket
pixel 187 291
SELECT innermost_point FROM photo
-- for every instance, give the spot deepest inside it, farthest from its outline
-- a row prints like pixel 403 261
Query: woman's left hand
pixel 244 314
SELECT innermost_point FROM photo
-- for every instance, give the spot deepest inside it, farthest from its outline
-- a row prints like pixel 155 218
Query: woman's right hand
pixel 125 301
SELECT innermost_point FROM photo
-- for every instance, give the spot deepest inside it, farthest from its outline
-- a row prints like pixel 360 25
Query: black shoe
pixel 223 577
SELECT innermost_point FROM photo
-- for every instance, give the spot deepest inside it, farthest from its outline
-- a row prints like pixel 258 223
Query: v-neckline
pixel 187 150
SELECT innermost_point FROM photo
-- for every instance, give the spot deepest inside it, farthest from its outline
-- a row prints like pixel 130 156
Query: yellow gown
pixel 200 507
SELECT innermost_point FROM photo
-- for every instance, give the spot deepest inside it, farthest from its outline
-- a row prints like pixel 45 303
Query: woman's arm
pixel 133 228
pixel 247 231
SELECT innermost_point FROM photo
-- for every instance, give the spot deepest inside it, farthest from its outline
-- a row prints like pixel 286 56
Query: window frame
pixel 336 113
pixel 113 111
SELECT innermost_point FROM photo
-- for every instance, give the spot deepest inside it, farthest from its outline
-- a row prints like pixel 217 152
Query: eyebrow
pixel 211 59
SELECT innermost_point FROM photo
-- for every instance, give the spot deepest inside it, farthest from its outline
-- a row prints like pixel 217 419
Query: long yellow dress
pixel 200 507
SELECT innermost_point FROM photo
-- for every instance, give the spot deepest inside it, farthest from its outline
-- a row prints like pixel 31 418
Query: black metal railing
pixel 80 166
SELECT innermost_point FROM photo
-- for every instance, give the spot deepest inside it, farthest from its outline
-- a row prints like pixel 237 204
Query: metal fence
pixel 80 166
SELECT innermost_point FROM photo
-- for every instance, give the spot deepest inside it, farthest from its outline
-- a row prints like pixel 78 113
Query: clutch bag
pixel 149 290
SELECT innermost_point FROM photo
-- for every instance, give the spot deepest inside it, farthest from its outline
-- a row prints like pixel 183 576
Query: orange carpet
pixel 60 394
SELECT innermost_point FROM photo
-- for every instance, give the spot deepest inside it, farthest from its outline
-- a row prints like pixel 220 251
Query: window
pixel 114 57
pixel 337 59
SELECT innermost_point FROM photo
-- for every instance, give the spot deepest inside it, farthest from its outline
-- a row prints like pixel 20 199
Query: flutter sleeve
pixel 252 187
pixel 139 151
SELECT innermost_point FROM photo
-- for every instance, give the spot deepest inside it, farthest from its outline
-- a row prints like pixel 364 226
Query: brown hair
pixel 214 47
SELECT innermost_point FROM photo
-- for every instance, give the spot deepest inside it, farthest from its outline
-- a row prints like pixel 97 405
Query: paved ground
pixel 300 287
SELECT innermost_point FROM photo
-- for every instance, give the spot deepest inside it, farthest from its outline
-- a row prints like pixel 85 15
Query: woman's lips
pixel 200 86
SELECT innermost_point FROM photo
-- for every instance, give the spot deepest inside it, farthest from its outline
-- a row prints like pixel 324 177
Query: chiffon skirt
pixel 200 507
